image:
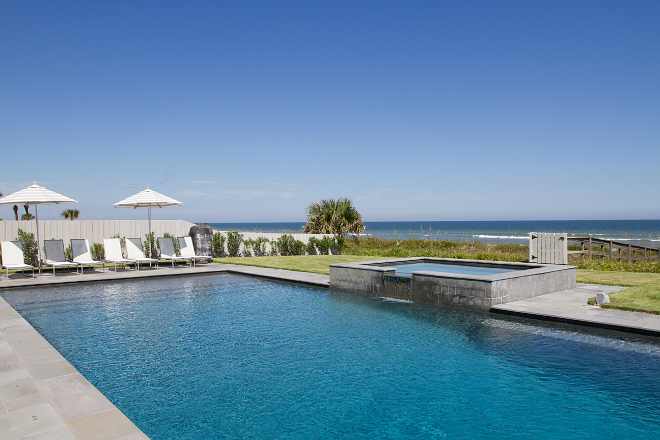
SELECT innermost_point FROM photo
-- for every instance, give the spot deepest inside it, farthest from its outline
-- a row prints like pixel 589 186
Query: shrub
pixel 325 244
pixel 150 253
pixel 97 251
pixel 290 246
pixel 234 240
pixel 68 253
pixel 298 248
pixel 286 244
pixel 247 247
pixel 29 247
pixel 340 243
pixel 259 246
pixel 175 241
pixel 275 247
pixel 311 246
pixel 218 245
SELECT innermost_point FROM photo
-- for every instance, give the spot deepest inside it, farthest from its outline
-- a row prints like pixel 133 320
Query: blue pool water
pixel 449 268
pixel 231 357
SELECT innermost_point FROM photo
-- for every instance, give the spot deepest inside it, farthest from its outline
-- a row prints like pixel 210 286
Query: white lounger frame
pixel 85 258
pixel 61 261
pixel 113 254
pixel 13 258
pixel 136 253
pixel 164 255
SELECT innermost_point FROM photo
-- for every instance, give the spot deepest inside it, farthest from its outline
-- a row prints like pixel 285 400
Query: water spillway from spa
pixel 471 284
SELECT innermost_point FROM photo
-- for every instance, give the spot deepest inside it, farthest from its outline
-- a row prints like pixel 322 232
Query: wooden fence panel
pixel 93 230
pixel 548 248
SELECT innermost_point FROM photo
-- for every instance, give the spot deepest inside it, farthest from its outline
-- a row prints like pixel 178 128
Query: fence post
pixel 590 248
pixel 610 251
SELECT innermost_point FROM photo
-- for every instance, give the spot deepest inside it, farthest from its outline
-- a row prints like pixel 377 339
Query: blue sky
pixel 249 111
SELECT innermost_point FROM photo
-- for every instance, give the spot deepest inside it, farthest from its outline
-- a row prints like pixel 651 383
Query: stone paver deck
pixel 66 277
pixel 42 396
pixel 570 307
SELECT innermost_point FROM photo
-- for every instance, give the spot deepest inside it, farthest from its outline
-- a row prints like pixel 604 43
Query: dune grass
pixel 474 250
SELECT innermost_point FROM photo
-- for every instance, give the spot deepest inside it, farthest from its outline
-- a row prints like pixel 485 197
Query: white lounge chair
pixel 54 255
pixel 187 249
pixel 113 253
pixel 13 258
pixel 166 246
pixel 135 252
pixel 82 255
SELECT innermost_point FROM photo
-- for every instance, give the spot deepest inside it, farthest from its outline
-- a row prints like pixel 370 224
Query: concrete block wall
pixel 534 285
pixel 353 279
pixel 455 292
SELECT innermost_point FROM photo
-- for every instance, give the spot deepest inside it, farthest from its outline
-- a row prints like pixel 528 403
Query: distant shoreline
pixel 642 232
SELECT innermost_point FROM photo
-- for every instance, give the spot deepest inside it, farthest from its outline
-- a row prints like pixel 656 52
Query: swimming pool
pixel 225 356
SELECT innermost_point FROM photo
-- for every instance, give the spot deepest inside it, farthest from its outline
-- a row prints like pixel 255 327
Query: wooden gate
pixel 548 248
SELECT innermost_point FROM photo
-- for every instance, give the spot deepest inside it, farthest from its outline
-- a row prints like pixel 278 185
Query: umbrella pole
pixel 36 219
pixel 149 209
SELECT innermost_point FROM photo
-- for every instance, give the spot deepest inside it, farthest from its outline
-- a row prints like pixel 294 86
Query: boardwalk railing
pixel 614 250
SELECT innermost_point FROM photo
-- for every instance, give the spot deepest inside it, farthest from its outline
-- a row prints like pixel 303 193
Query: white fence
pixel 548 248
pixel 93 230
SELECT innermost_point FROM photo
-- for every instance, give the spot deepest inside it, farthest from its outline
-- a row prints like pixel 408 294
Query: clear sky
pixel 417 110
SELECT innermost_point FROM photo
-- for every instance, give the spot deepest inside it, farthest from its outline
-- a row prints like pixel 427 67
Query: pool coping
pixel 43 396
pixel 525 269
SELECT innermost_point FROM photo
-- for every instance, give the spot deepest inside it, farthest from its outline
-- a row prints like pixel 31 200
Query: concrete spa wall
pixel 442 289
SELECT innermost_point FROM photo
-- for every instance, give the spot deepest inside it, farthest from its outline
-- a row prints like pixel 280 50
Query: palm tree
pixel 71 214
pixel 27 215
pixel 332 216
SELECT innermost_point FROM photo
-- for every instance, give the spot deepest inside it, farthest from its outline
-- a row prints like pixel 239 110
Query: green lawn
pixel 301 263
pixel 642 295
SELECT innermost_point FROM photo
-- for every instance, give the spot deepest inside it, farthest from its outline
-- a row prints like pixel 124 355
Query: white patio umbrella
pixel 36 195
pixel 148 199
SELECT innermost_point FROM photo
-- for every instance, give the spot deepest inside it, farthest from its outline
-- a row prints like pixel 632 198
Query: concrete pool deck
pixel 570 307
pixel 42 396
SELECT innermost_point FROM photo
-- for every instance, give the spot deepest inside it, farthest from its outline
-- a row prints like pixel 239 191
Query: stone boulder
pixel 601 298
pixel 202 238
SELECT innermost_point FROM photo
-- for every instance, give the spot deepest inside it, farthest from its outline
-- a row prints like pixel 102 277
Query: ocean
pixel 640 232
